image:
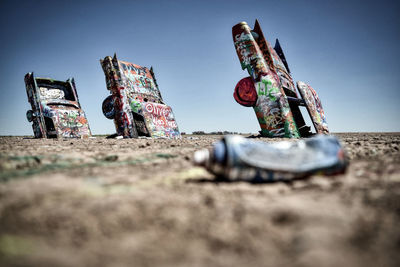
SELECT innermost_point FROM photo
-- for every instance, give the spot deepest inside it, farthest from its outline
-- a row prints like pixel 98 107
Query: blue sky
pixel 347 50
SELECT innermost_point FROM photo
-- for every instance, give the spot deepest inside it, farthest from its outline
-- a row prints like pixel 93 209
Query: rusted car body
pixel 56 111
pixel 270 89
pixel 135 103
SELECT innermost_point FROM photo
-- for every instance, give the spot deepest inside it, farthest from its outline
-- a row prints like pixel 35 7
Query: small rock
pixel 111 158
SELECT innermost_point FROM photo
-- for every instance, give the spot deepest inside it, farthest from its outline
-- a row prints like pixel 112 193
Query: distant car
pixel 270 88
pixel 135 103
pixel 56 111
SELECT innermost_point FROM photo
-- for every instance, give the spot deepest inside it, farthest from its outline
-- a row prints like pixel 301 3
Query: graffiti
pixel 158 110
pixel 314 107
pixel 249 54
pixel 271 108
pixel 161 115
pixel 138 80
pixel 133 68
pixel 138 105
pixel 55 107
pixel 70 123
pixel 51 93
pixel 270 86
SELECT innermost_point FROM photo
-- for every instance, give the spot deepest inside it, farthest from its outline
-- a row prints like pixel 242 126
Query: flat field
pixel 140 202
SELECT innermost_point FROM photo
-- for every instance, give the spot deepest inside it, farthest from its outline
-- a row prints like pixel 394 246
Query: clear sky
pixel 347 50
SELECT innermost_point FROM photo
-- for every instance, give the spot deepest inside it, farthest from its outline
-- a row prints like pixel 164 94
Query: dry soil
pixel 107 202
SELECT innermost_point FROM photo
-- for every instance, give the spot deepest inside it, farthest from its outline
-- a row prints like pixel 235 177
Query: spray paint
pixel 238 158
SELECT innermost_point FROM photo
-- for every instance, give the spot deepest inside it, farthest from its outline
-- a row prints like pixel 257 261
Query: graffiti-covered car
pixel 56 111
pixel 270 88
pixel 135 102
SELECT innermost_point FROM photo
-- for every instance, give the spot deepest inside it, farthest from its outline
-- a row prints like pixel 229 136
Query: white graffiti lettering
pixel 158 109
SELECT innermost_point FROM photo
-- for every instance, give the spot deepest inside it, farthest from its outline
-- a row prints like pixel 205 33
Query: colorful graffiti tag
pixel 270 88
pixel 159 118
pixel 136 104
pixel 56 111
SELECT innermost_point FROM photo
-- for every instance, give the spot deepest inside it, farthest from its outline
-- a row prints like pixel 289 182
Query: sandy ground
pixel 107 202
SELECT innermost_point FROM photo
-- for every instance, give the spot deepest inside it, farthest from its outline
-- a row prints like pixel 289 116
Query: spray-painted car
pixel 56 111
pixel 135 102
pixel 270 88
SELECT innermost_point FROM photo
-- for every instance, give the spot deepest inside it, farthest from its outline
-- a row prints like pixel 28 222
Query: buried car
pixel 56 111
pixel 135 103
pixel 270 88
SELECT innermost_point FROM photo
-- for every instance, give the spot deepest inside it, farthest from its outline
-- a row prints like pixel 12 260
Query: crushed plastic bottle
pixel 237 158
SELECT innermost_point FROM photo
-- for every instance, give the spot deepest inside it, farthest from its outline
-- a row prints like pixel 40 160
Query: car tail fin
pixel 280 53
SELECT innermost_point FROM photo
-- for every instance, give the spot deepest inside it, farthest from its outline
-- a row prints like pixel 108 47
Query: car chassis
pixel 56 111
pixel 135 103
pixel 270 89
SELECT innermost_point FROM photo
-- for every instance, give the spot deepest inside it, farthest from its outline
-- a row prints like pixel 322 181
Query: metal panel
pixel 314 107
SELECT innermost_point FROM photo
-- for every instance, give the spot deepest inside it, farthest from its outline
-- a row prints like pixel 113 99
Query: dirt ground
pixel 108 202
